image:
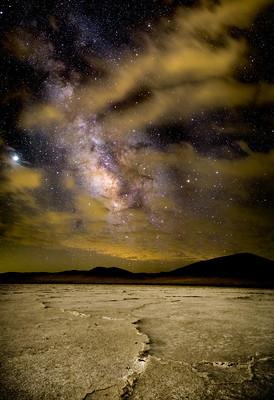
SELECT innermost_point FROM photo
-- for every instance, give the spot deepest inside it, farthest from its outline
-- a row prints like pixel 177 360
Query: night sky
pixel 135 134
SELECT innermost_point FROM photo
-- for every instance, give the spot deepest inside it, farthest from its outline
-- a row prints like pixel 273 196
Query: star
pixel 15 157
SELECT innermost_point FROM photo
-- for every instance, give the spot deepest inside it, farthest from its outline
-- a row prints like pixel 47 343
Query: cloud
pixel 34 48
pixel 188 64
pixel 193 202
pixel 21 178
pixel 41 115
pixel 111 188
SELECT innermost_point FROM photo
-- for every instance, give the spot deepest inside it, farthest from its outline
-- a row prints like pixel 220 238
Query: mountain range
pixel 243 269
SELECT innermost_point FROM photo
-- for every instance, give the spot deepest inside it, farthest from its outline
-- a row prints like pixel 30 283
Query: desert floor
pixel 135 342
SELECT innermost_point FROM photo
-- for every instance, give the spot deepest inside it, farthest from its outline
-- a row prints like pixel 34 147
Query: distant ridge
pixel 243 265
pixel 98 271
pixel 243 270
pixel 111 271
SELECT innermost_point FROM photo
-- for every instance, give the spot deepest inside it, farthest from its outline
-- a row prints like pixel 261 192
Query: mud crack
pixel 75 313
pixel 139 365
pixel 225 371
pixel 89 395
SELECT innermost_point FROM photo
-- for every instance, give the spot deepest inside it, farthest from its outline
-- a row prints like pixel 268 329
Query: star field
pixel 135 134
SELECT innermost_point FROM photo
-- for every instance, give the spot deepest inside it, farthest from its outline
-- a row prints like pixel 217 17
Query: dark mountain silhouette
pixel 242 265
pixel 99 271
pixel 112 271
pixel 241 269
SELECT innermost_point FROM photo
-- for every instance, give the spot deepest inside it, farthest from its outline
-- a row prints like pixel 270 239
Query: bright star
pixel 15 157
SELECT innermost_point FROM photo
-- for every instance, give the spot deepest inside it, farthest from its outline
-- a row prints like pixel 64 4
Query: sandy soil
pixel 135 342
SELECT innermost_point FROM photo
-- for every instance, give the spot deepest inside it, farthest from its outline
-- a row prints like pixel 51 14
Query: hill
pixel 242 265
pixel 243 270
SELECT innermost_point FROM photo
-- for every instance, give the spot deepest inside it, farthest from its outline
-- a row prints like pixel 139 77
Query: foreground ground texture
pixel 135 342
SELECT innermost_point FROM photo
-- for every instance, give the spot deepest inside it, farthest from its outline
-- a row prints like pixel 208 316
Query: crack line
pixel 87 396
pixel 139 365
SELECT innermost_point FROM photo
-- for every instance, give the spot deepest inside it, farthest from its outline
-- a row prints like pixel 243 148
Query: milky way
pixel 135 135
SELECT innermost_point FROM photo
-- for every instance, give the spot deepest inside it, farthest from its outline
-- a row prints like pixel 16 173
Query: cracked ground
pixel 116 342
